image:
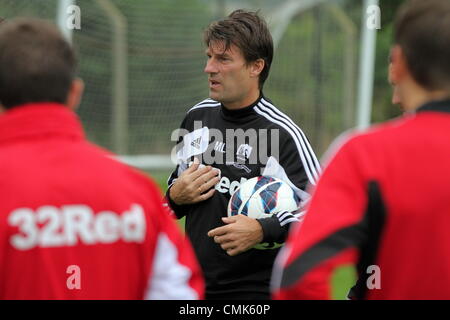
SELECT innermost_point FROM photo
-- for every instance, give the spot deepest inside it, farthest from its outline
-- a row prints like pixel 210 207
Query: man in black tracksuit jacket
pixel 236 135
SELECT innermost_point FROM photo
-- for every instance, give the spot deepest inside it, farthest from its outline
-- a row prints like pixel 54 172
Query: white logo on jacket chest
pixel 220 146
pixel 225 185
pixel 195 143
pixel 49 226
pixel 214 146
pixel 243 152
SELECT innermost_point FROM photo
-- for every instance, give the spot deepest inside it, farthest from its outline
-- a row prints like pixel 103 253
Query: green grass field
pixel 343 278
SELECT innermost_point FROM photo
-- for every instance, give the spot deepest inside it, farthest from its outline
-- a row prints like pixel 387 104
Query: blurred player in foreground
pixel 395 99
pixel 382 202
pixel 74 223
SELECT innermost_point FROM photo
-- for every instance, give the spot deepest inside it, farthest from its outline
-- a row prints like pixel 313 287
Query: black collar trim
pixel 439 106
pixel 242 112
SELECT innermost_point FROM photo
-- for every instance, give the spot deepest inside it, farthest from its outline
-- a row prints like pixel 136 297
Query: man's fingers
pixel 230 245
pixel 223 238
pixel 205 176
pixel 209 181
pixel 218 231
pixel 210 175
pixel 194 166
pixel 231 219
pixel 207 195
pixel 196 174
pixel 208 185
pixel 234 251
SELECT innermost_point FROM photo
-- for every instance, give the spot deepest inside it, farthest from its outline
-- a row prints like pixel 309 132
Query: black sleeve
pixel 179 210
pixel 299 160
pixel 273 231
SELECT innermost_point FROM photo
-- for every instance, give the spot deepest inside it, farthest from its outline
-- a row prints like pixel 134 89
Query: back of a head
pixel 422 30
pixel 247 31
pixel 36 63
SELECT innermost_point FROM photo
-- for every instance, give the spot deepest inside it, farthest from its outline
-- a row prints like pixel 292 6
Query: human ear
pixel 257 67
pixel 75 94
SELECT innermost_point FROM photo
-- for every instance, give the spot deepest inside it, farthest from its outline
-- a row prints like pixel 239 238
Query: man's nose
pixel 211 66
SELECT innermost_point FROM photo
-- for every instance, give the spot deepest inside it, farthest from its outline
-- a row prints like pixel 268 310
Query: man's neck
pixel 248 100
pixel 417 96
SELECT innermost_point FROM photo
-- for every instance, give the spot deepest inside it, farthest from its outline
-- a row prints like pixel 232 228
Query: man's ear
pixel 75 94
pixel 257 67
pixel 399 66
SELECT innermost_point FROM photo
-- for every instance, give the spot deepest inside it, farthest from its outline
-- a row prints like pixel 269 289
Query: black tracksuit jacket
pixel 239 142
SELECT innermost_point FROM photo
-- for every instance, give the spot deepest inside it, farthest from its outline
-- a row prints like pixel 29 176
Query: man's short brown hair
pixel 247 31
pixel 422 30
pixel 36 63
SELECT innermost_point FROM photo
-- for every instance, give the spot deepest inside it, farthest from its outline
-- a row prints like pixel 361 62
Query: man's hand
pixel 238 235
pixel 194 184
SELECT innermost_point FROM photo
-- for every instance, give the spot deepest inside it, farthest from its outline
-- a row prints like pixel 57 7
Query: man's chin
pixel 213 95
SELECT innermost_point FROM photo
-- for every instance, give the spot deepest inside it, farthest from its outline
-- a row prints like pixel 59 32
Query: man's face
pixel 230 78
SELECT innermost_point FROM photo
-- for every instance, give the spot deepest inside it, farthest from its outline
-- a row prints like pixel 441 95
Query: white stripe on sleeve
pixel 310 170
pixel 169 280
pixel 286 221
pixel 286 217
pixel 284 116
pixel 283 214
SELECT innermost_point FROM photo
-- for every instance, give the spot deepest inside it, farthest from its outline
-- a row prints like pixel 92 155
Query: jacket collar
pixel 242 114
pixel 39 119
pixel 438 106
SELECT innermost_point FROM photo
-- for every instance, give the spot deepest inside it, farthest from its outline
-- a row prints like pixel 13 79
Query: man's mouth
pixel 214 83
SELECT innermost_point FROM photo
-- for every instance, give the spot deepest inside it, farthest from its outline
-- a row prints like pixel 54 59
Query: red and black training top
pixel 383 200
pixel 77 224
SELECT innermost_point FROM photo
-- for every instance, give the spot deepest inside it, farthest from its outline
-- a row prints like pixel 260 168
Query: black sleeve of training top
pixel 179 210
pixel 273 231
pixel 302 168
pixel 298 159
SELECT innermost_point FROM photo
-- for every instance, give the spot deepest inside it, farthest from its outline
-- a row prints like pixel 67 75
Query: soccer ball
pixel 261 197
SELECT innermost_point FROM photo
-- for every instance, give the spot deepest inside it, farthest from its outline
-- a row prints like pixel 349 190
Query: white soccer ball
pixel 261 197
